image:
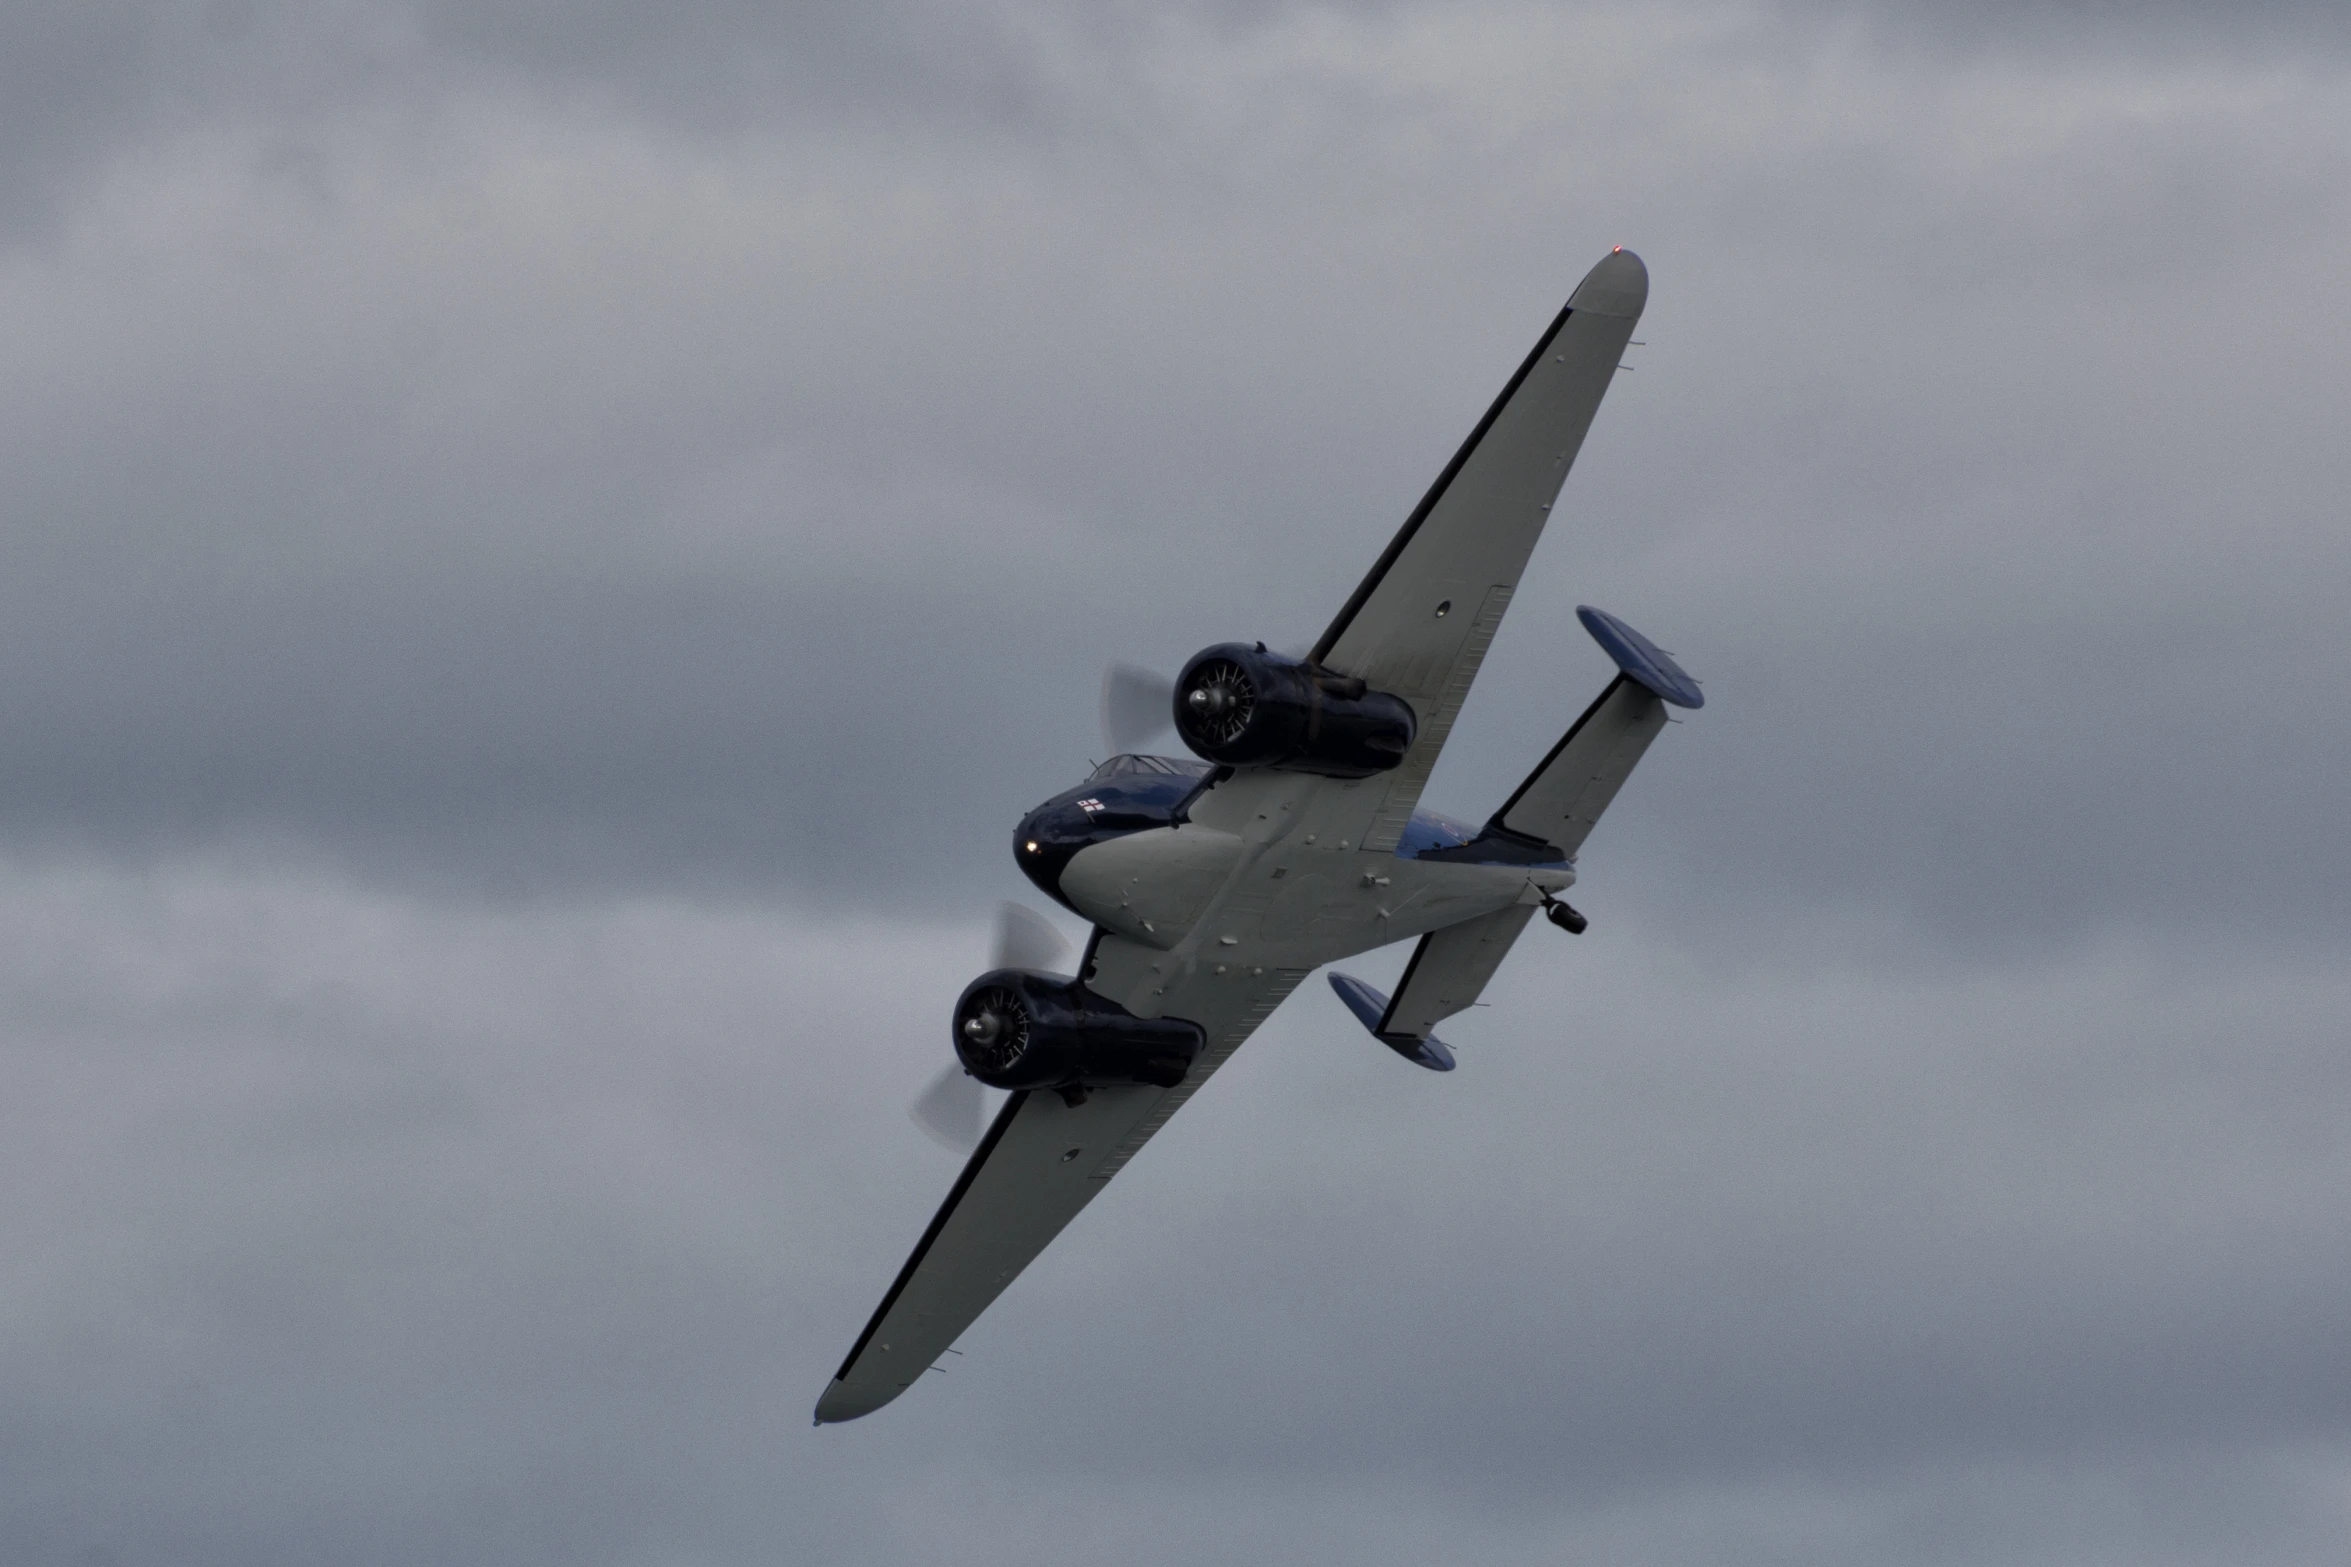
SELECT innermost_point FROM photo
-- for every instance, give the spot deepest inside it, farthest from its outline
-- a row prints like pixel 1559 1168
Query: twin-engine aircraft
pixel 1215 886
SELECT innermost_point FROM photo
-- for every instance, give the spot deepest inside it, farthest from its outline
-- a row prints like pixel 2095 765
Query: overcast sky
pixel 544 549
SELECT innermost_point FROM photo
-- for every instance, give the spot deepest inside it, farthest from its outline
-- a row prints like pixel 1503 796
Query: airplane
pixel 1293 838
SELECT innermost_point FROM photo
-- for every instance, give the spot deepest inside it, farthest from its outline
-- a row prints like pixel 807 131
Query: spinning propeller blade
pixel 953 1110
pixel 1025 939
pixel 1138 705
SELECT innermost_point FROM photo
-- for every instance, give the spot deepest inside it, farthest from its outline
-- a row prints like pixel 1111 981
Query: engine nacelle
pixel 1016 1029
pixel 1245 707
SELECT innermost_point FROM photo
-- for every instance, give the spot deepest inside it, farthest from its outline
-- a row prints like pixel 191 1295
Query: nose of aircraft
pixel 1044 842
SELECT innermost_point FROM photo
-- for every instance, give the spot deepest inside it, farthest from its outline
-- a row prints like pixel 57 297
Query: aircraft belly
pixel 1393 899
pixel 1289 907
pixel 1151 886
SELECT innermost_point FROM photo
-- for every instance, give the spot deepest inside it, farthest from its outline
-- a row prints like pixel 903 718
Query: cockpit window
pixel 1161 766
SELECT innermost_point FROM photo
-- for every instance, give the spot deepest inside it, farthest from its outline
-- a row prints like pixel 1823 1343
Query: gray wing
pixel 1027 1179
pixel 1040 1163
pixel 1420 623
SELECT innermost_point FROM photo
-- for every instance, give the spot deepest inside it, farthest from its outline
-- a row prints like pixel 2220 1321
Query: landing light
pixel 1032 846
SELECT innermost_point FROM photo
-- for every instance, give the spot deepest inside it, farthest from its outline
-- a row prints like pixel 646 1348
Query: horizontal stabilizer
pixel 1562 799
pixel 1369 1006
pixel 1448 971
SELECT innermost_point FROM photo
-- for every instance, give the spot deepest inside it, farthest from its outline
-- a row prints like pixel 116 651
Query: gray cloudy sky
pixel 543 549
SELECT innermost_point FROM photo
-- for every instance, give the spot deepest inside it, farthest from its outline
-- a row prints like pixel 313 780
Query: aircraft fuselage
pixel 1253 885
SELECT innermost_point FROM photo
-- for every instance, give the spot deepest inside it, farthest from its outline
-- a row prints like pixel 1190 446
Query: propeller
pixel 953 1109
pixel 1026 939
pixel 1138 706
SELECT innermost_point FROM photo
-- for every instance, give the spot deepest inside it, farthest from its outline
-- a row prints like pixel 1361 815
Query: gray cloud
pixel 538 494
pixel 404 1231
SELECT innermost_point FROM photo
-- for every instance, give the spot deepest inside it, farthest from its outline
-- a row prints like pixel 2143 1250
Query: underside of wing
pixel 1038 1165
pixel 1041 1162
pixel 1419 624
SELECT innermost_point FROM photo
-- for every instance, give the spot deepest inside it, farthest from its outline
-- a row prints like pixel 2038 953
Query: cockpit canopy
pixel 1161 766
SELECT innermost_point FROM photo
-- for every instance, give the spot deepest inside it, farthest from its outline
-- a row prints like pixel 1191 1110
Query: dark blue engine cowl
pixel 1016 1029
pixel 1245 707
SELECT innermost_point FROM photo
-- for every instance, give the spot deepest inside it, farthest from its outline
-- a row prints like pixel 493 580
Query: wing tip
pixel 840 1404
pixel 1618 286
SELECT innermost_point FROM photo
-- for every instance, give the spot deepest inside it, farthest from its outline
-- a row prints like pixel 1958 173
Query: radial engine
pixel 1017 1029
pixel 1244 707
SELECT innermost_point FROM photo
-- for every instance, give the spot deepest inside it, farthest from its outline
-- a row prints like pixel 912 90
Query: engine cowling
pixel 1017 1029
pixel 1245 707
